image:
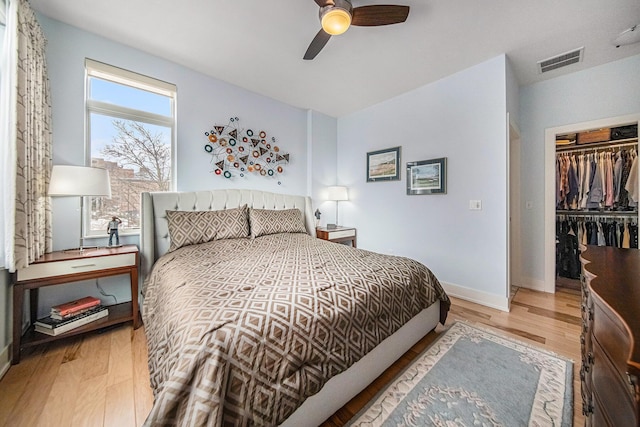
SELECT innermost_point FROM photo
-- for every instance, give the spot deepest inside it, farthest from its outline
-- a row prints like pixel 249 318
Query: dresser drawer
pixel 341 233
pixel 597 417
pixel 614 340
pixel 611 393
pixel 72 266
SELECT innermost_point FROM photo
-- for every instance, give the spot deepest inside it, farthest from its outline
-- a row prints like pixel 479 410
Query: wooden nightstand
pixel 60 267
pixel 338 235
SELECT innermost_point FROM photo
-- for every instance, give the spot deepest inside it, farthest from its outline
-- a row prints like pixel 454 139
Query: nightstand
pixel 60 267
pixel 338 235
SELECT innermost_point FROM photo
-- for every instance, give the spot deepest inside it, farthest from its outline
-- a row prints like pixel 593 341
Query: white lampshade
pixel 337 193
pixel 79 181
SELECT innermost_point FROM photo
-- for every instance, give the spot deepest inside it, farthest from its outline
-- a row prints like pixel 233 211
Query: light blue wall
pixel 461 117
pixel 323 138
pixel 201 102
pixel 608 90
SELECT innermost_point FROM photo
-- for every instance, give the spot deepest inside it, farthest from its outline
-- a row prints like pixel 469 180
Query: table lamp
pixel 337 193
pixel 79 181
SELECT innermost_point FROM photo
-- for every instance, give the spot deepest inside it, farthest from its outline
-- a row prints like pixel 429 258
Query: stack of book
pixel 71 315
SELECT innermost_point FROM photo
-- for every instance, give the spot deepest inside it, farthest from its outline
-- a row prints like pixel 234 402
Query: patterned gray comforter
pixel 242 331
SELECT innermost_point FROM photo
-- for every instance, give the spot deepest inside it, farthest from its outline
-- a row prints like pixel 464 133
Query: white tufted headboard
pixel 154 238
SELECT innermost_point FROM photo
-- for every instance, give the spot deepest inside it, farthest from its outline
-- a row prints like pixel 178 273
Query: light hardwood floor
pixel 103 380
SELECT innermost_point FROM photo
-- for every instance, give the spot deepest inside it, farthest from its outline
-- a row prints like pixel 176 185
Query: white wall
pixel 605 91
pixel 201 102
pixel 323 134
pixel 461 117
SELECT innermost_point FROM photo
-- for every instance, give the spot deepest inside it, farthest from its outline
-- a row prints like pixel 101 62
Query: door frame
pixel 514 249
pixel 550 184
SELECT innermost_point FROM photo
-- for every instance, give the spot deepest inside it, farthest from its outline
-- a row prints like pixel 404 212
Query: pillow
pixel 232 223
pixel 193 227
pixel 269 221
pixel 190 228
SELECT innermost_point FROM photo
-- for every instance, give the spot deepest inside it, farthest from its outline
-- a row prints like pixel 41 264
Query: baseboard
pixel 533 284
pixel 5 360
pixel 478 297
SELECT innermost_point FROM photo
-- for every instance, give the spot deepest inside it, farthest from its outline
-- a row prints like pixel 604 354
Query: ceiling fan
pixel 337 15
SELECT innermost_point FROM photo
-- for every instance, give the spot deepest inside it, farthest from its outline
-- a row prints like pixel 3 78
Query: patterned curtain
pixel 32 233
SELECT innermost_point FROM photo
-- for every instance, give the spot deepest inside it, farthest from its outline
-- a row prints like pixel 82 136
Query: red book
pixel 74 306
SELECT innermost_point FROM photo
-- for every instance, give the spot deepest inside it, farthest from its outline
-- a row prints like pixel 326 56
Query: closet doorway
pixel 597 216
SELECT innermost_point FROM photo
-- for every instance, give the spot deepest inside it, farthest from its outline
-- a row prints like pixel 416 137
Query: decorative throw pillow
pixel 190 228
pixel 232 223
pixel 268 221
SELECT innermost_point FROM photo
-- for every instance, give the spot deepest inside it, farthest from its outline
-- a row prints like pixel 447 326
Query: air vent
pixel 560 61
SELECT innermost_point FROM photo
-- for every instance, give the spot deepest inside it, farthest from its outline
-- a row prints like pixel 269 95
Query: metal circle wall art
pixel 231 147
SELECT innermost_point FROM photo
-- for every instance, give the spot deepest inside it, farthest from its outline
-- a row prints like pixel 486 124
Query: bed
pixel 261 323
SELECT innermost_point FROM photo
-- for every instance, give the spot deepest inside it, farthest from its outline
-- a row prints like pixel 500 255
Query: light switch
pixel 475 205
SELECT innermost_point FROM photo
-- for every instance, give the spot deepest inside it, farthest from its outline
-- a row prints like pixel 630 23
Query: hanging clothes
pixel 633 236
pixel 567 251
pixel 597 180
pixel 632 181
pixel 620 232
pixel 596 192
pixel 609 192
pixel 626 170
pixel 601 239
pixel 586 181
pixel 597 199
pixel 617 177
pixel 626 240
pixel 573 193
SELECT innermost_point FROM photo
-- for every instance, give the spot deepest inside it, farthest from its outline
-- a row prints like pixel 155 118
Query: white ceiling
pixel 258 44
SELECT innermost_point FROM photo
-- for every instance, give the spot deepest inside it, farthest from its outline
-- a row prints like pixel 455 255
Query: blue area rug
pixel 473 377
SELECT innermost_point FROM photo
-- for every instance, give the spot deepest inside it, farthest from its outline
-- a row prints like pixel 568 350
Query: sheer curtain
pixel 26 131
pixel 7 133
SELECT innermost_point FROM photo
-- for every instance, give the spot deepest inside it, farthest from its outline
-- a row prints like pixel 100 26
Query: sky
pixel 102 130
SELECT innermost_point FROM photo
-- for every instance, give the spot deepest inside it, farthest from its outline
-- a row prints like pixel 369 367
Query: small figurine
pixel 317 214
pixel 112 229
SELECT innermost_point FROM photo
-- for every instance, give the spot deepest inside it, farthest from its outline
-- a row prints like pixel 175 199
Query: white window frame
pixel 137 81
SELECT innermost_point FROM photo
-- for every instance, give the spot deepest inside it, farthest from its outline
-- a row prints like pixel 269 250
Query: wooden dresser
pixel 610 336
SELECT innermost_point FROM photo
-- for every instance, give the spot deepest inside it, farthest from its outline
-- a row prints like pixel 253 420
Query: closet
pixel 596 195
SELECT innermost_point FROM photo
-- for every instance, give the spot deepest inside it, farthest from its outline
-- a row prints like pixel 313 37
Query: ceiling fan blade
pixel 374 15
pixel 323 3
pixel 317 44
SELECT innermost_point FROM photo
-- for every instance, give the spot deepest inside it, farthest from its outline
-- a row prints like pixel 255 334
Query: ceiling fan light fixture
pixel 336 21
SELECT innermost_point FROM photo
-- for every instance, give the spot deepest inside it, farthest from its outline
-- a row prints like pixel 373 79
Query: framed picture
pixel 427 176
pixel 383 165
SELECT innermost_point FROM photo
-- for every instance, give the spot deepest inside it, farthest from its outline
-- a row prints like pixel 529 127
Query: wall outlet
pixel 475 205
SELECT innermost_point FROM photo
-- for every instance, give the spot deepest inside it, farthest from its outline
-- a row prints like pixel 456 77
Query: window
pixel 130 132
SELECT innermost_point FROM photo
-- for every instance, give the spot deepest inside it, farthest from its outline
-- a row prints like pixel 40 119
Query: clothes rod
pixel 627 214
pixel 598 146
